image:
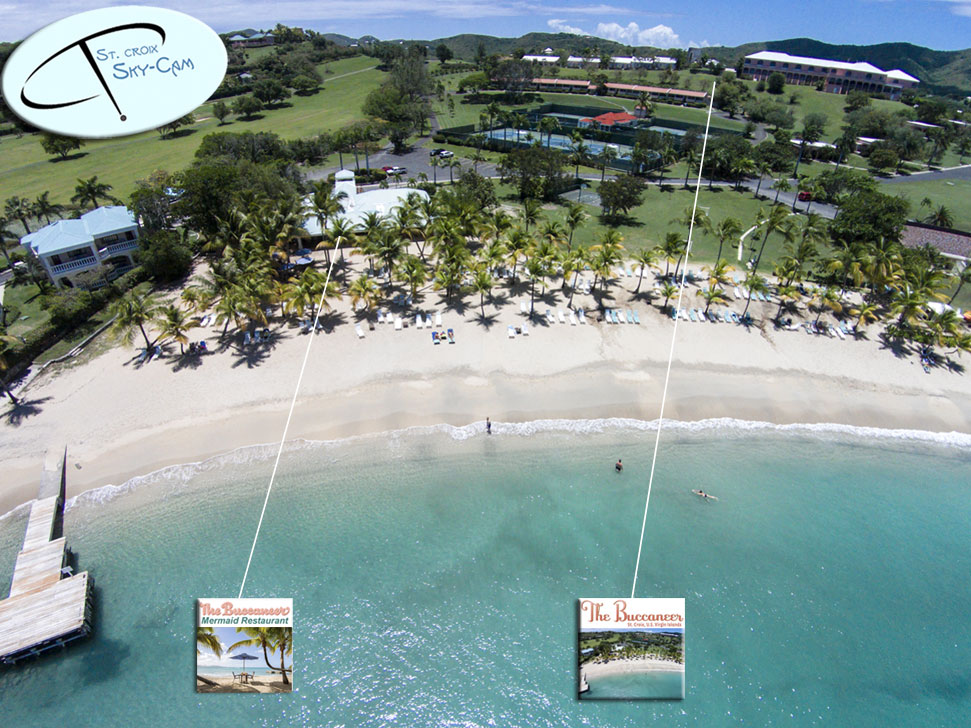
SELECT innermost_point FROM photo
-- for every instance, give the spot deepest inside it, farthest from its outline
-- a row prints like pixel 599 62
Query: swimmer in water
pixel 619 466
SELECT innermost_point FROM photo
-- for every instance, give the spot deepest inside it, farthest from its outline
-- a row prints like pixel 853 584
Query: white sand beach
pixel 229 685
pixel 628 665
pixel 119 419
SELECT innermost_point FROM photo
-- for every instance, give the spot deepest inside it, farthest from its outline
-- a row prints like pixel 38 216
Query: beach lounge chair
pixel 614 317
pixel 674 314
pixel 419 322
pixel 524 329
pixel 630 316
pixel 573 319
pixel 511 332
pixel 843 328
pixel 257 337
pixel 143 356
pixel 637 318
pixel 738 293
pixel 735 318
pixel 691 315
pixel 562 318
pixel 438 318
pixel 380 316
pixel 684 314
pixel 839 333
pixel 357 329
pixel 523 308
pixel 246 338
pixel 549 316
pixel 397 323
pixel 451 336
pixel 435 338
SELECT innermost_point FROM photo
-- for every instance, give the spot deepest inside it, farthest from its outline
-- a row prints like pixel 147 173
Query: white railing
pixel 74 265
pixel 119 247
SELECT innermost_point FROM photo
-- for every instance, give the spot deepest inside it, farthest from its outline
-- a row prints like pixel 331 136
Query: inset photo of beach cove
pixel 632 664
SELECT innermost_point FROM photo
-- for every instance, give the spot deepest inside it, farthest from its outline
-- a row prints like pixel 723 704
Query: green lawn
pixel 649 222
pixel 24 310
pixel 27 171
pixel 954 194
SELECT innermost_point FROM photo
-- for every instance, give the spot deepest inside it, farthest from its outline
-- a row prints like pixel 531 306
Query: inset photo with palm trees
pixel 242 646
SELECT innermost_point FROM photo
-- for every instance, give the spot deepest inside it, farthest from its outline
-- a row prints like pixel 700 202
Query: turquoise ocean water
pixel 434 575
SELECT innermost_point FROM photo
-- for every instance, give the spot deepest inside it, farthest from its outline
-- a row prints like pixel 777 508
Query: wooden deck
pixel 44 608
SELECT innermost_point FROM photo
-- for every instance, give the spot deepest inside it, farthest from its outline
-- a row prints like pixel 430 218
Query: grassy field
pixel 27 171
pixel 954 194
pixel 652 220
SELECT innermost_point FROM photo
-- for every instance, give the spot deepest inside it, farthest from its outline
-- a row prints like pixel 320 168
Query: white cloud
pixel 698 44
pixel 660 36
pixel 560 26
pixel 960 7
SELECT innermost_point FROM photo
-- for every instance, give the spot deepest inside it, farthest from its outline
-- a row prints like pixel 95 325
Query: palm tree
pixel 535 270
pixel 413 272
pixel 781 185
pixel 208 639
pixel 341 232
pixel 606 156
pixel 267 638
pixel 864 314
pixel 669 291
pixel 89 191
pixel 173 322
pixel 43 207
pixel 690 162
pixel 227 309
pixel 755 284
pixel 826 298
pixel 728 229
pixel 573 261
pixel 20 209
pixel 575 216
pixel 941 217
pixel 6 234
pixel 434 163
pixel 788 295
pixel 963 277
pixel 132 312
pixel 578 153
pixel 713 295
pixel 7 342
pixel 389 250
pixel 548 125
pixel 741 168
pixel 482 284
pixel 645 258
pixel 775 221
pixel 531 211
pixel 672 249
pixel 763 168
pixel 718 273
pixel 365 290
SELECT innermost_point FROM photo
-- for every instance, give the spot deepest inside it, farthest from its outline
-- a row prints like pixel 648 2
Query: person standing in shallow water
pixel 619 466
pixel 488 426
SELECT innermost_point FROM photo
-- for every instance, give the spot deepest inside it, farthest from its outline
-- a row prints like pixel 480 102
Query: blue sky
pixel 940 24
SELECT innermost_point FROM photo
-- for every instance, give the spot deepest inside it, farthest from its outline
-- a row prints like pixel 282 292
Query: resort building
pixel 838 77
pixel 106 237
pixel 628 90
pixel 610 120
pixel 358 204
pixel 616 62
pixel 256 40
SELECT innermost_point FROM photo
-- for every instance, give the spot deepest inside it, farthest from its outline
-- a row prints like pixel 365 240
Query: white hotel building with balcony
pixel 107 236
pixel 838 77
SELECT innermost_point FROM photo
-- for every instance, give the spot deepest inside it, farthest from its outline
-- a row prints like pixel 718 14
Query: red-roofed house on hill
pixel 609 120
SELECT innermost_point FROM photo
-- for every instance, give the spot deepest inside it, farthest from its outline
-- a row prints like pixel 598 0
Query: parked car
pixel 387 168
pixel 396 170
pixel 445 154
pixel 435 152
pixel 805 196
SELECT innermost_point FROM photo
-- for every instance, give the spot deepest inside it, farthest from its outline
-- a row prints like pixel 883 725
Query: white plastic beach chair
pixel 738 293
pixel 360 332
pixel 582 316
pixel 524 329
pixel 560 315
pixel 523 308
pixel 573 319
pixel 397 323
pixel 511 332
pixel 691 315
pixel 549 316
pixel 438 318
pixel 419 323
pixel 246 339
pixel 637 319
pixel 380 316
pixel 630 316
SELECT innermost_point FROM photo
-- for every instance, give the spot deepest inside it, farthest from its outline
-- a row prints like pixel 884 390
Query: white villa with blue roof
pixel 107 236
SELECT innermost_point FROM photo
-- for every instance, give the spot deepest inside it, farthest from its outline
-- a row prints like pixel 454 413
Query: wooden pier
pixel 48 606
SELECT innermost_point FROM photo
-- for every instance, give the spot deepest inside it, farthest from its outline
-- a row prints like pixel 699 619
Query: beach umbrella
pixel 244 657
